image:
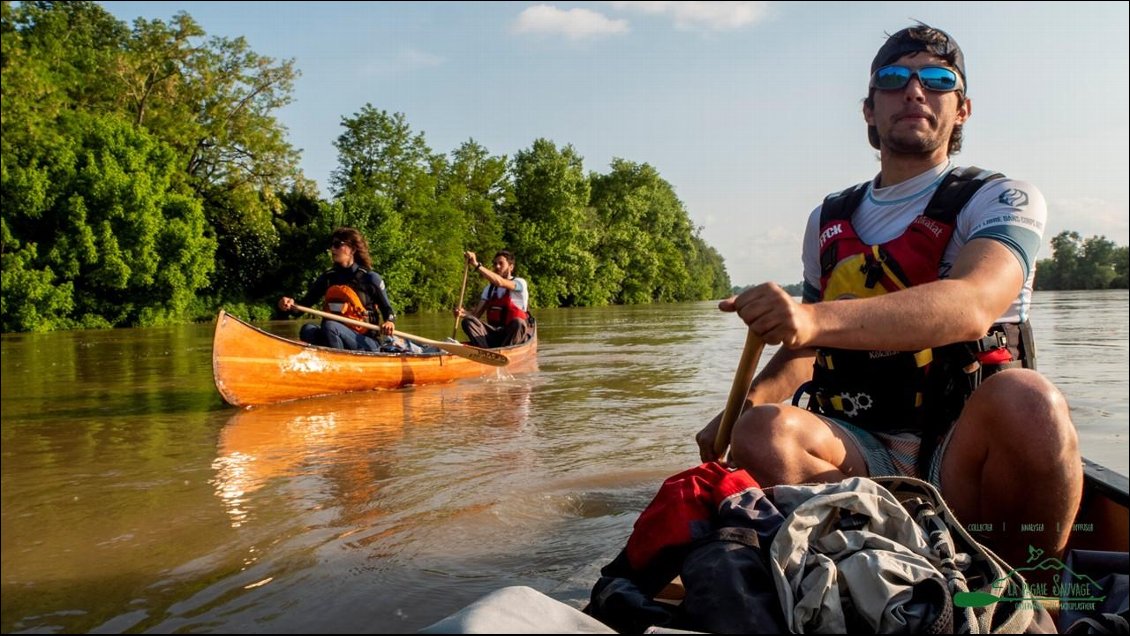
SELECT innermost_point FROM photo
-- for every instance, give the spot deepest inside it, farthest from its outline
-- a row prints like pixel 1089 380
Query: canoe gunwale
pixel 372 354
pixel 252 367
pixel 1107 482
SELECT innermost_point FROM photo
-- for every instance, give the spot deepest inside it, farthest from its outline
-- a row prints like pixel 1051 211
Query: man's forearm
pixel 986 278
pixel 908 320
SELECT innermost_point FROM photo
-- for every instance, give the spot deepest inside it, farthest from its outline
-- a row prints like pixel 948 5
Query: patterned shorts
pixel 893 453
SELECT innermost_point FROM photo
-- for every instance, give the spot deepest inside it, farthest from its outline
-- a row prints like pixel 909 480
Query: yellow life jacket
pixel 891 390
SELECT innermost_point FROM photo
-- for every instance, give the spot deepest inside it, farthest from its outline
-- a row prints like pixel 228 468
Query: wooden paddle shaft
pixel 747 366
pixel 482 356
pixel 462 294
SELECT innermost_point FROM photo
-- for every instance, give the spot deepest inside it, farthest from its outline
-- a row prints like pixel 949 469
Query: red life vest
pixel 501 309
pixel 854 269
pixel 884 390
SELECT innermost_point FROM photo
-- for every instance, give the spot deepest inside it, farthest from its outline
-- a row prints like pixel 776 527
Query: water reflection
pixel 135 501
pixel 344 448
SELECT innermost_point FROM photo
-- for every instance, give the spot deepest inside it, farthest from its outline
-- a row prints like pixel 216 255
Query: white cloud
pixel 710 16
pixel 575 24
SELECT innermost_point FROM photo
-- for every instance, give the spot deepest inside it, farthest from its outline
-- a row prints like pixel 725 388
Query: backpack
pixel 705 525
pixel 919 519
pixel 882 555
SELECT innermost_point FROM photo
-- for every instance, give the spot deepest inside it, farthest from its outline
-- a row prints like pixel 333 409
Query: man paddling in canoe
pixel 505 300
pixel 352 289
pixel 924 365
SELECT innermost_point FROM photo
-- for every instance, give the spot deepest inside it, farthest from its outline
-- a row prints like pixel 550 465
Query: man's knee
pixel 767 433
pixel 1025 391
pixel 1019 420
pixel 472 325
pixel 1022 406
pixel 517 331
pixel 476 331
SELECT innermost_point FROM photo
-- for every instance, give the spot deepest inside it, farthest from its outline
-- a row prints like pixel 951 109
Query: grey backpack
pixel 886 555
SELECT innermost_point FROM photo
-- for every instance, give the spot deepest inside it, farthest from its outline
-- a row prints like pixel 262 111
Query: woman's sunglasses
pixel 336 243
pixel 895 77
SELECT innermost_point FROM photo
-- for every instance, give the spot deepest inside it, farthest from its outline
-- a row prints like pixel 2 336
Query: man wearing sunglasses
pixel 911 342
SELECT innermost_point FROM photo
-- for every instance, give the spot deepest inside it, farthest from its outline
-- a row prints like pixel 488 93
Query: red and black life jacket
pixel 502 309
pixel 900 390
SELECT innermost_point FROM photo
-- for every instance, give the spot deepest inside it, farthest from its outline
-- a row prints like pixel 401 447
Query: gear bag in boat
pixel 883 556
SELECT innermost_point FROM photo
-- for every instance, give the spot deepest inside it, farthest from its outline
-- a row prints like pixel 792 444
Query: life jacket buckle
pixel 874 271
pixel 993 341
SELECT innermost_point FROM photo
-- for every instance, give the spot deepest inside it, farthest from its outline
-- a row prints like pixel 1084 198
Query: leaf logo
pixel 974 599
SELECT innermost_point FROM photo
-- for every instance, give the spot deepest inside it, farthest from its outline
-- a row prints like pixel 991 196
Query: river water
pixel 134 500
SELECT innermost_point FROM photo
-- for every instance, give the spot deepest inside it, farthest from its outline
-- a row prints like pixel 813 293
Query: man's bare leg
pixel 1012 468
pixel 788 445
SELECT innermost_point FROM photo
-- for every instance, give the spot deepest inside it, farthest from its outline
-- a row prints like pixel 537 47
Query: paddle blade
pixel 482 356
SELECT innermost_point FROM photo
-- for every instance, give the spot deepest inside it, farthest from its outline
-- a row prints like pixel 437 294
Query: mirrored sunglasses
pixel 895 77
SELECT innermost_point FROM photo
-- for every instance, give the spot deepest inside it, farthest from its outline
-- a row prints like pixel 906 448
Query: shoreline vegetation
pixel 146 180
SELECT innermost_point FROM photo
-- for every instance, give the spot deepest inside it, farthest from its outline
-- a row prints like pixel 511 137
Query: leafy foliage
pixel 550 228
pixel 647 246
pixel 108 231
pixel 146 180
pixel 1078 263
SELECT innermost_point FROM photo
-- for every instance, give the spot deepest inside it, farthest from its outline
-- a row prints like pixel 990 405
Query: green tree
pixel 637 211
pixel 209 104
pixel 1077 263
pixel 478 184
pixel 1121 264
pixel 388 181
pixel 304 228
pixel 709 266
pixel 1097 268
pixel 645 242
pixel 55 56
pixel 1059 272
pixel 549 226
pixel 109 230
pixel 31 296
pixel 214 102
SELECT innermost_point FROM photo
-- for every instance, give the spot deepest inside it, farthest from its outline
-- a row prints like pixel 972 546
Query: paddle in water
pixel 482 356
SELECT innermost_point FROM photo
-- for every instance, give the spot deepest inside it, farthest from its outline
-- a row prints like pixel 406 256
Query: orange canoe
pixel 253 367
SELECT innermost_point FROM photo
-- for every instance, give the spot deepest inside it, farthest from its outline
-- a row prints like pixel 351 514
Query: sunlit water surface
pixel 134 500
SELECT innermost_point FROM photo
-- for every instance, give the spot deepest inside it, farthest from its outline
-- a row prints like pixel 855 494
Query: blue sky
pixel 751 110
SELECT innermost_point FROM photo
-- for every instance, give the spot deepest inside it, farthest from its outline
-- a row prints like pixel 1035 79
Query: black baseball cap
pixel 921 38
